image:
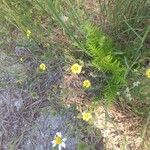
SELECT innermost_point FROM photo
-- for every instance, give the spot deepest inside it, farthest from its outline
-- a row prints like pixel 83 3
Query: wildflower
pixel 86 116
pixel 129 97
pixel 58 140
pixel 76 68
pixel 118 93
pixel 127 90
pixel 28 33
pixel 136 84
pixel 42 67
pixel 21 59
pixel 86 83
pixel 128 94
pixel 64 18
pixel 148 73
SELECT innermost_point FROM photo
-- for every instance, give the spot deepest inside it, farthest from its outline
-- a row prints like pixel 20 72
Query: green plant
pixel 127 26
pixel 127 22
pixel 116 16
pixel 136 93
pixel 82 146
pixel 101 49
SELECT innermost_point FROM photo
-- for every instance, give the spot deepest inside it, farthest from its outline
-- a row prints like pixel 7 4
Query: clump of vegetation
pixel 57 42
pixel 101 49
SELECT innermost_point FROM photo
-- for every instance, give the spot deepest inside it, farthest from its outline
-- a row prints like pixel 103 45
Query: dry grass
pixel 121 130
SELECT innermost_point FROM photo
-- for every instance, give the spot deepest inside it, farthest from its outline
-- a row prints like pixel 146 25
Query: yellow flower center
pixel 76 69
pixel 21 59
pixel 86 83
pixel 58 140
pixel 42 67
pixel 86 116
pixel 28 33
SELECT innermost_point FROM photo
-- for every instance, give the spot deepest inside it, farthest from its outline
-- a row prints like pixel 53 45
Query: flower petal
pixel 63 144
pixel 58 134
pixel 64 139
pixel 54 145
pixel 59 147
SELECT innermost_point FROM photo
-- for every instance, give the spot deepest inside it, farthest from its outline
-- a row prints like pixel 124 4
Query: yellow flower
pixel 148 73
pixel 42 67
pixel 58 140
pixel 21 59
pixel 86 83
pixel 76 68
pixel 86 116
pixel 28 33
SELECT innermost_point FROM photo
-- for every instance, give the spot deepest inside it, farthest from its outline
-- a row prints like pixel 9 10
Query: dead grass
pixel 121 130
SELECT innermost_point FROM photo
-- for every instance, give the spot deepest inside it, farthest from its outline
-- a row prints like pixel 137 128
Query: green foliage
pixel 100 48
pixel 136 93
pixel 46 56
pixel 26 15
pixel 128 23
pixel 82 146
